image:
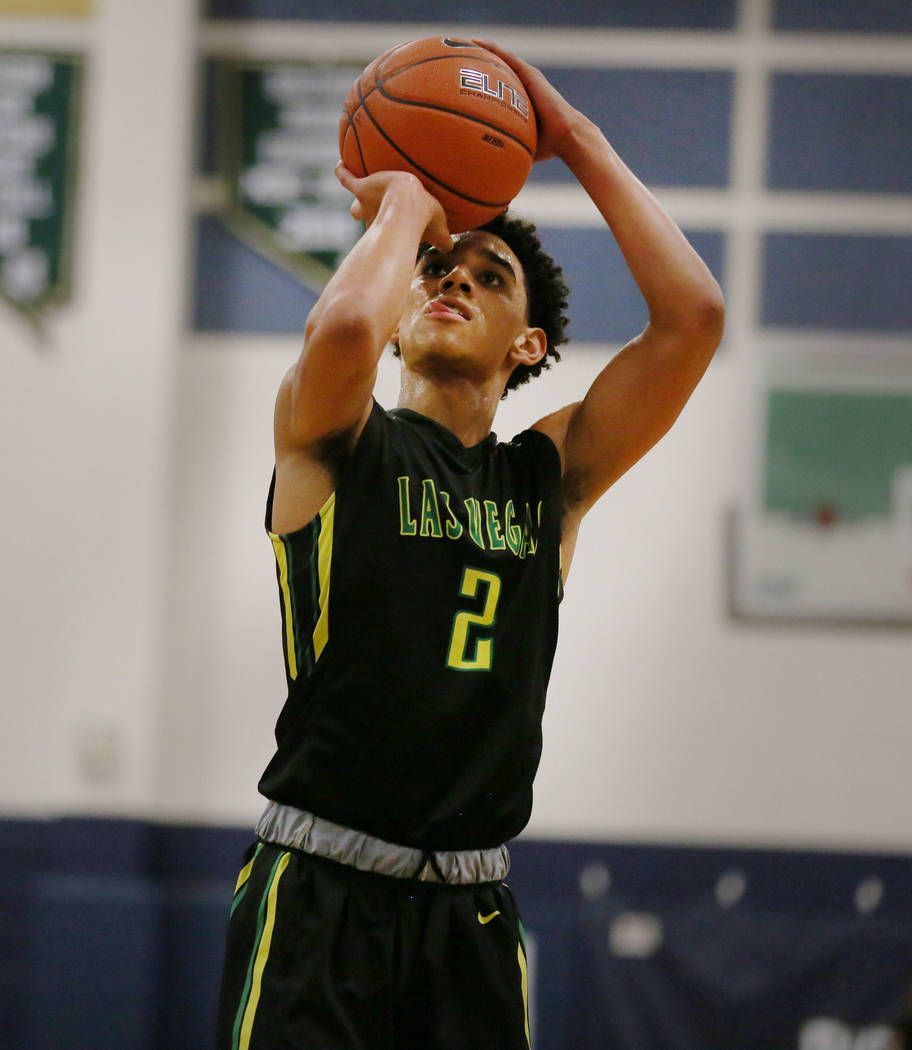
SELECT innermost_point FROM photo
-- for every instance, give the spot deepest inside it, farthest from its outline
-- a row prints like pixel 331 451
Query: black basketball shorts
pixel 322 956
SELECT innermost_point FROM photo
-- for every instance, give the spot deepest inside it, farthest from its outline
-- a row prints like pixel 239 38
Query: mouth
pixel 445 307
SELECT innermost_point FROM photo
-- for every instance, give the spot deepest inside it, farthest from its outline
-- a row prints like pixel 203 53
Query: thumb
pixel 346 177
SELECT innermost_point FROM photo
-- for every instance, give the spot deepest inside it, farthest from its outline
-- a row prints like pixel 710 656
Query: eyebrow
pixel 499 260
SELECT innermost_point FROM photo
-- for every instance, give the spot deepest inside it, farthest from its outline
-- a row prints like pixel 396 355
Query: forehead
pixel 482 241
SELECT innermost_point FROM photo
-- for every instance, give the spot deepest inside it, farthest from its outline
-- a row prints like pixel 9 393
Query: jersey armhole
pixel 368 434
pixel 549 451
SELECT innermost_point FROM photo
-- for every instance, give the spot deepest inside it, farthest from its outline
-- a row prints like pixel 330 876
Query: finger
pixel 348 180
pixel 443 242
pixel 488 45
pixel 507 56
pixel 438 235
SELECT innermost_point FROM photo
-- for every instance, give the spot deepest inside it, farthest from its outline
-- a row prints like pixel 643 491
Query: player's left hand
pixel 554 115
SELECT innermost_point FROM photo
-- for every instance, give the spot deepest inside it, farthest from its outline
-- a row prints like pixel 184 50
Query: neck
pixel 458 404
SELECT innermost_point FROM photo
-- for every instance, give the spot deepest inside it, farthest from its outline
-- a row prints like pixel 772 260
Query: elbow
pixel 705 320
pixel 694 316
pixel 712 313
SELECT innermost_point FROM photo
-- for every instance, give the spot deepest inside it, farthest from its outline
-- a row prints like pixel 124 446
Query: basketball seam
pixel 354 131
pixel 417 167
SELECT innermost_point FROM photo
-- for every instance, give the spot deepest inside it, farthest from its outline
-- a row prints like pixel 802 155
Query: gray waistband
pixel 296 829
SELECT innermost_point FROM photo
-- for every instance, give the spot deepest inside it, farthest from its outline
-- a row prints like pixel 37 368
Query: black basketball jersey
pixel 419 614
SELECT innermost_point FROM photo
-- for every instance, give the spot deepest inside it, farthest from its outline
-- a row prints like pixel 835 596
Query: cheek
pixel 414 304
pixel 512 317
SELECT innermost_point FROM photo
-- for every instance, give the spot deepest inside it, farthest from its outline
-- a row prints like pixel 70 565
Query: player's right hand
pixel 371 191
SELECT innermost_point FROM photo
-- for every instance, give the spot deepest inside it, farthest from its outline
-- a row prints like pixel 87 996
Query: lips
pixel 447 308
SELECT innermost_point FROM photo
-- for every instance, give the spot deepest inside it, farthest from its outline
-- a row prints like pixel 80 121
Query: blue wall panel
pixel 838 281
pixel 23 853
pixel 671 126
pixel 93 963
pixel 238 290
pixel 668 14
pixel 605 304
pixel 844 16
pixel 831 131
pixel 113 932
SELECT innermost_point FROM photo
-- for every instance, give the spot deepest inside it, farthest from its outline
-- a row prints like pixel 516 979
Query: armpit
pixel 334 451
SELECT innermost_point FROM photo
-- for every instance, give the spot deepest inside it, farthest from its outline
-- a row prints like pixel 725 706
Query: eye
pixel 491 278
pixel 433 268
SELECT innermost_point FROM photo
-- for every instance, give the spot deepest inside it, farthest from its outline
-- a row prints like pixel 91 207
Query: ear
pixel 529 347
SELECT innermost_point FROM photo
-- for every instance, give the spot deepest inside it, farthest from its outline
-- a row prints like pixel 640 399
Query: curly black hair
pixel 546 292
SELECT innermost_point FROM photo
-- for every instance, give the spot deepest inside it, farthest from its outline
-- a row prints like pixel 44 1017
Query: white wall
pixel 140 624
pixel 86 432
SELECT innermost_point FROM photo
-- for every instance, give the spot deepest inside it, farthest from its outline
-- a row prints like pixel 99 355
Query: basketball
pixel 450 112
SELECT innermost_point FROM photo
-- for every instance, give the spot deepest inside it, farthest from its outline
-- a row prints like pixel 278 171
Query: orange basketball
pixel 450 112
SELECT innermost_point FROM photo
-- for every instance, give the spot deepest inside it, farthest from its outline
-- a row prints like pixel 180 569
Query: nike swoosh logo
pixel 485 919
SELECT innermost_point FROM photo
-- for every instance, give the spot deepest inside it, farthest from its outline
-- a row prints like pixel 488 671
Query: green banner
pixel 832 455
pixel 277 146
pixel 38 139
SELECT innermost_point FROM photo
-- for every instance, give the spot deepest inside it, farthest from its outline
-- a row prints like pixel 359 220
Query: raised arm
pixel 325 398
pixel 641 391
pixel 329 388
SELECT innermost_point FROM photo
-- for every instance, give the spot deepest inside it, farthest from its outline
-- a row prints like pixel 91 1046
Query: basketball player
pixel 420 564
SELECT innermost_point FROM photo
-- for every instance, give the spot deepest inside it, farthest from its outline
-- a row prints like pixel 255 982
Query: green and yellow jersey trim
pixel 282 554
pixel 324 561
pixel 305 616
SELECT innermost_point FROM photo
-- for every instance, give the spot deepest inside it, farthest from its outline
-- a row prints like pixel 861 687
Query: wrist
pixel 405 191
pixel 580 139
pixel 409 210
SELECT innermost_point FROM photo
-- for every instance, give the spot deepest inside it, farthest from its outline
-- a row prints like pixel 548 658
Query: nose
pixel 457 278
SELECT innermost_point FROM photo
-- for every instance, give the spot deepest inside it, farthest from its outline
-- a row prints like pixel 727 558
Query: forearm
pixel 675 282
pixel 367 292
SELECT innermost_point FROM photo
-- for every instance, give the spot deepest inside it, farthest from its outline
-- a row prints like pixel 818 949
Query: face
pixel 467 309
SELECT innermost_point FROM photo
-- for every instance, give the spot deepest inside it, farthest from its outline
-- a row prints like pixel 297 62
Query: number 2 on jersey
pixel 463 638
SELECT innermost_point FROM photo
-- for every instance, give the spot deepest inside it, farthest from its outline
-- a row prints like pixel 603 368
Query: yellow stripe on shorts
pixel 521 955
pixel 248 867
pixel 244 1023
